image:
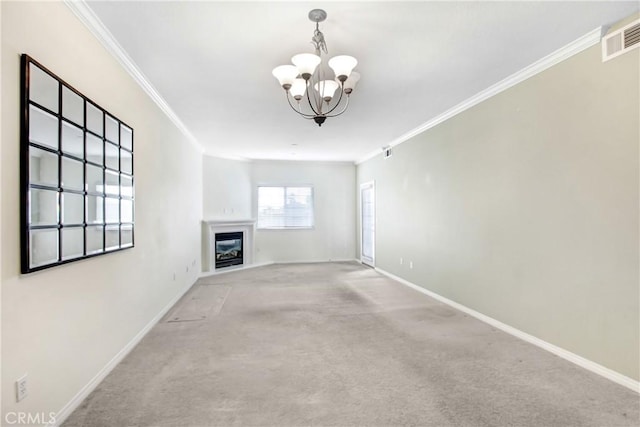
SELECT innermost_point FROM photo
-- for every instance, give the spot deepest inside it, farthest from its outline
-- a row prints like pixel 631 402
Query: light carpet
pixel 337 344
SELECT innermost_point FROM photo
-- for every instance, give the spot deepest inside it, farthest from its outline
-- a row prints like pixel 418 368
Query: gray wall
pixel 525 208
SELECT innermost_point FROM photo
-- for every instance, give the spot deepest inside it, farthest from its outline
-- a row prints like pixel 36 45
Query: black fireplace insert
pixel 228 249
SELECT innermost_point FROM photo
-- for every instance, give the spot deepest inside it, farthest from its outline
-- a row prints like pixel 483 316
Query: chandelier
pixel 306 77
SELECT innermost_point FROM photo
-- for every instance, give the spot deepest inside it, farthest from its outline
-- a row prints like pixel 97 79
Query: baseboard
pixel 317 261
pixel 589 365
pixel 262 264
pixel 233 269
pixel 75 402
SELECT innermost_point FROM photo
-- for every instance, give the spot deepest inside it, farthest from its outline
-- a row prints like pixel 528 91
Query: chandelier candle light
pixel 306 77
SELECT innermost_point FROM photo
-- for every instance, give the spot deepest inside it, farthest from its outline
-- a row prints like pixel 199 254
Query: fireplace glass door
pixel 229 249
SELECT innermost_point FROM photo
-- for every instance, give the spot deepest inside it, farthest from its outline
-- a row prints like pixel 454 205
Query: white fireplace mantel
pixel 212 227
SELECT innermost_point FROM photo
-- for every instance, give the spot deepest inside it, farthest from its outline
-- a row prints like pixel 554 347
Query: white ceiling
pixel 212 62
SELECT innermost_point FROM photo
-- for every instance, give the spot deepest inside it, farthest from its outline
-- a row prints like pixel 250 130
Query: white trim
pixel 322 261
pixel 246 226
pixel 97 28
pixel 589 365
pixel 225 157
pixel 590 39
pixel 263 264
pixel 75 402
pixel 364 186
pixel 232 269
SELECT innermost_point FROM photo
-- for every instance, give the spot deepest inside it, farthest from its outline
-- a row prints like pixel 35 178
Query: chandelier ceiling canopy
pixel 306 78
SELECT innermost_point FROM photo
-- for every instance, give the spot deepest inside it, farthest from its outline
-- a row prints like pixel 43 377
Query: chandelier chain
pixel 318 41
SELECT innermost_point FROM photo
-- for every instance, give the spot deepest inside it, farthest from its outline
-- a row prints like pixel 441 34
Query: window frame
pixel 285 187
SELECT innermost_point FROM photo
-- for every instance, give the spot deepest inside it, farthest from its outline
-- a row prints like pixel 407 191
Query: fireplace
pixel 229 249
pixel 211 228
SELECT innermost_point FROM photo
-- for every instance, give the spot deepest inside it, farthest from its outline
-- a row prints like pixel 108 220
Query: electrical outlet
pixel 400 260
pixel 21 388
pixel 411 264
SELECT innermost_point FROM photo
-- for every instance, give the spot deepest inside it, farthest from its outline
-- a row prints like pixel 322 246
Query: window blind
pixel 285 207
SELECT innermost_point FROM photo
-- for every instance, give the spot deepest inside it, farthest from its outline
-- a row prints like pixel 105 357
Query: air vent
pixel 386 150
pixel 621 41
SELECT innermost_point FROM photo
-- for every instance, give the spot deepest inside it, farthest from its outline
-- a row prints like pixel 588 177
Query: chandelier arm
pixel 317 94
pixel 320 88
pixel 344 109
pixel 309 98
pixel 306 116
pixel 319 103
pixel 339 99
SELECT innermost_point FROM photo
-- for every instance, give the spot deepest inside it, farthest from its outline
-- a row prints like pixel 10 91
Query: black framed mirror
pixel 77 183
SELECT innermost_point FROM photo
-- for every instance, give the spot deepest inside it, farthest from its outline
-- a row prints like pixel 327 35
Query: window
pixel 285 207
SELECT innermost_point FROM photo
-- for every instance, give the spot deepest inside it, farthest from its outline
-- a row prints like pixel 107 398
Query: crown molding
pixel 97 28
pixel 226 157
pixel 576 46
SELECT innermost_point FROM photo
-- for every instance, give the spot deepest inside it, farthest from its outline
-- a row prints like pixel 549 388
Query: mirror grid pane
pixel 78 197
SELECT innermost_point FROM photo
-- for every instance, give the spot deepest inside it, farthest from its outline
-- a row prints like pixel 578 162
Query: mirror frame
pixel 103 220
